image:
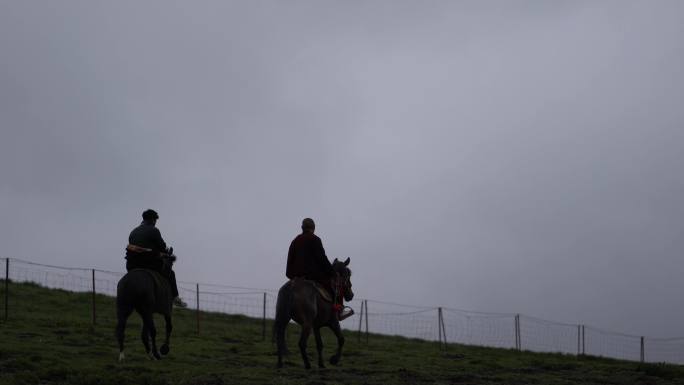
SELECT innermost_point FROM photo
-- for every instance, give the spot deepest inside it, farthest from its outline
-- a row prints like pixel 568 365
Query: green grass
pixel 49 339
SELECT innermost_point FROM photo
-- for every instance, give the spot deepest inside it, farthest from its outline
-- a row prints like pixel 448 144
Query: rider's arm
pixel 290 261
pixel 159 240
pixel 323 259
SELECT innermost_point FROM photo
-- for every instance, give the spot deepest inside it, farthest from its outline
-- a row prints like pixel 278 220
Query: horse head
pixel 344 275
pixel 168 255
pixel 168 258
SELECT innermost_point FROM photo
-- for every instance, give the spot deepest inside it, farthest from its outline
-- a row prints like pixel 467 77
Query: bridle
pixel 340 285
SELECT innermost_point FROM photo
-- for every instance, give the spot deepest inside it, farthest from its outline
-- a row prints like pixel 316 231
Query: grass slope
pixel 49 339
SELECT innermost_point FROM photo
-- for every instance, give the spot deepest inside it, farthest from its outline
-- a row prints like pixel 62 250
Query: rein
pixel 338 299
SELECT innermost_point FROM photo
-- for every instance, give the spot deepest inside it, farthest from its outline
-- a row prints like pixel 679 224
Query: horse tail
pixel 122 300
pixel 283 315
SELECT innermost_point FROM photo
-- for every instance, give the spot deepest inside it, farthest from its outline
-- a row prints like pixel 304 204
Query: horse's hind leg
pixel 152 331
pixel 340 342
pixel 122 314
pixel 280 329
pixel 169 326
pixel 319 347
pixel 145 337
pixel 306 330
pixel 149 335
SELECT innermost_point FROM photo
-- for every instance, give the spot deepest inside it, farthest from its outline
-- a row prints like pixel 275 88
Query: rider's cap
pixel 308 224
pixel 150 215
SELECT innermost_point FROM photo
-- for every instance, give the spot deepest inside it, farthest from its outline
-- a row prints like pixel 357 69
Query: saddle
pixel 322 291
pixel 325 294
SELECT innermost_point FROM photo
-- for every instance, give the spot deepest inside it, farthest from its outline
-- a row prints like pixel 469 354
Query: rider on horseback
pixel 145 249
pixel 306 259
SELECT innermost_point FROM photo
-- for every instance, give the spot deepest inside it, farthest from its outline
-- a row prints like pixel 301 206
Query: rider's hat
pixel 308 224
pixel 150 215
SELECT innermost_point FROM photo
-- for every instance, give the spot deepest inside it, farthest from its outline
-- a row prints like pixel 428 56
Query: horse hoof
pixel 334 360
pixel 164 350
pixel 122 357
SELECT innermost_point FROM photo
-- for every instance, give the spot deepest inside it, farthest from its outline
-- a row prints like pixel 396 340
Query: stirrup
pixel 345 313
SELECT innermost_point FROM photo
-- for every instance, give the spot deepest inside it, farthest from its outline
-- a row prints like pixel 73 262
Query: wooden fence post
pixel 578 340
pixel 518 340
pixel 366 302
pixel 643 355
pixel 439 326
pixel 6 288
pixel 583 339
pixel 446 342
pixel 94 297
pixel 263 328
pixel 360 321
pixel 515 330
pixel 442 328
pixel 198 309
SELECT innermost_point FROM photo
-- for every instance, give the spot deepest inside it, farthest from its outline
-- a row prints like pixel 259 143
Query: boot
pixel 345 313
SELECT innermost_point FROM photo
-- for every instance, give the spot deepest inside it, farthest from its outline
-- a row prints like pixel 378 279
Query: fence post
pixel 6 287
pixel 642 349
pixel 519 335
pixel 444 335
pixel 578 340
pixel 515 330
pixel 439 326
pixel 360 321
pixel 446 342
pixel 366 302
pixel 263 328
pixel 93 297
pixel 518 342
pixel 198 309
pixel 583 333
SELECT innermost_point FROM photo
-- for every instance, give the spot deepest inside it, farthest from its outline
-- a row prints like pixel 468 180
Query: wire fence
pixel 442 325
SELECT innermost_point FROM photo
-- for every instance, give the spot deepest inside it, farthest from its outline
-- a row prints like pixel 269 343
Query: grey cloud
pixel 494 156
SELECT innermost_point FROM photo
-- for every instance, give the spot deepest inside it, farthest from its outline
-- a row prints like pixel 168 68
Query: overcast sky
pixel 507 156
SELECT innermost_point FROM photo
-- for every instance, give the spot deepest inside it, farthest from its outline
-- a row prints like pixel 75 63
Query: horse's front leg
pixel 169 327
pixel 306 330
pixel 319 347
pixel 340 342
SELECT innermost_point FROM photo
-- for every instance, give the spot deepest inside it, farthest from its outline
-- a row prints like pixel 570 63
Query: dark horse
pixel 146 292
pixel 300 300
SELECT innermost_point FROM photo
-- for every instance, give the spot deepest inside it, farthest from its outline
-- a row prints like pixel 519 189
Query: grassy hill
pixel 49 339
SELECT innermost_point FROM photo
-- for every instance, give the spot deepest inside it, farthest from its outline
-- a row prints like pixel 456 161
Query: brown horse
pixel 300 300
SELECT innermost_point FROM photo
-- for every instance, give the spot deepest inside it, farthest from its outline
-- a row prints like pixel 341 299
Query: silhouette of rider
pixel 145 249
pixel 306 258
